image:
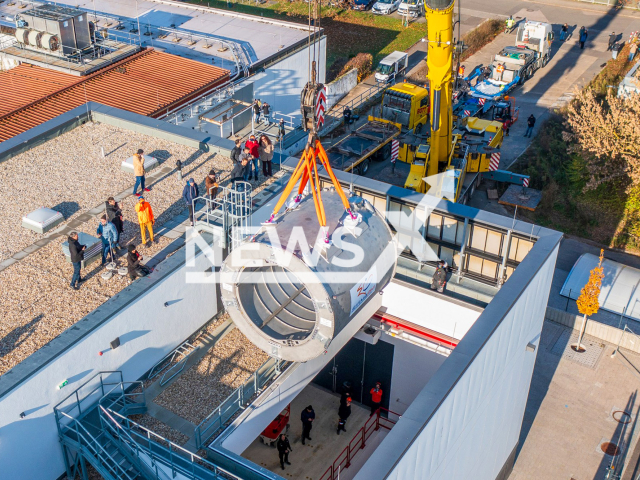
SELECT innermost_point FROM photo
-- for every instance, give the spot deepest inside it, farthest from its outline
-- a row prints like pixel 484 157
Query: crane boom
pixel 439 15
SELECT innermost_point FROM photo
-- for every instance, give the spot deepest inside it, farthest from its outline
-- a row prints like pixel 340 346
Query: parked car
pixel 414 8
pixel 362 4
pixel 385 7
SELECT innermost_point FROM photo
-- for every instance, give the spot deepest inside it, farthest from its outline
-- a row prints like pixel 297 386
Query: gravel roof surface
pixel 162 429
pixel 205 386
pixel 37 304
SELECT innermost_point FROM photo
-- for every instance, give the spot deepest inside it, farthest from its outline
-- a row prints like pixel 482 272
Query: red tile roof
pixel 148 83
pixel 25 84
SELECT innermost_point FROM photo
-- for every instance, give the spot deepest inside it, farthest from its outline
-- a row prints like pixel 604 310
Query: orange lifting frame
pixel 307 169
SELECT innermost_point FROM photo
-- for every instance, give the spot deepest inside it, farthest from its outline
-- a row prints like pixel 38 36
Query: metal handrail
pixel 132 443
pixel 173 449
pixel 360 439
pixel 236 400
pixel 92 443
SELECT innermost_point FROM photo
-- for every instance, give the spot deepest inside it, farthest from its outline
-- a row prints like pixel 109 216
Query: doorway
pixel 362 364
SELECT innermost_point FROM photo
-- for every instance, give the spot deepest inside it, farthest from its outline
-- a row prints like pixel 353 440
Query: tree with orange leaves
pixel 587 302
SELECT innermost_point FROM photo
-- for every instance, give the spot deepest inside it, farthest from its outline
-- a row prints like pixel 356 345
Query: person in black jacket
pixel 236 151
pixel 76 252
pixel 114 215
pixel 284 447
pixel 307 416
pixel 343 413
pixel 135 268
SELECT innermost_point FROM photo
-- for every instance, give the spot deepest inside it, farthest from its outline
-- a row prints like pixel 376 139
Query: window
pixel 519 249
pixel 485 240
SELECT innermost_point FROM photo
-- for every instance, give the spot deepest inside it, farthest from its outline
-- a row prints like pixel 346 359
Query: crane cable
pixel 307 169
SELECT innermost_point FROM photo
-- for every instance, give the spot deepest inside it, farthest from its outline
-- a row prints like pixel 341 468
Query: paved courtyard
pixel 574 406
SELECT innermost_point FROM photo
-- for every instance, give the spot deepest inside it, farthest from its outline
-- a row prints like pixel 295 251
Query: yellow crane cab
pixel 418 168
pixel 408 105
pixel 484 137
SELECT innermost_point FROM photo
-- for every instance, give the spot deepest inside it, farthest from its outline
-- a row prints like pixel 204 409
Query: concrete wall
pixel 341 86
pixel 280 85
pixel 606 333
pixel 29 447
pixel 405 388
pixel 466 421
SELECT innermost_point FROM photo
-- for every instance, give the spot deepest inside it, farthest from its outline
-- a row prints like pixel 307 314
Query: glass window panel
pixel 381 204
pixel 459 233
pixel 513 248
pixel 449 228
pixel 493 242
pixel 475 264
pixel 523 248
pixel 446 254
pixel 435 226
pixel 456 260
pixel 490 269
pixel 406 219
pixel 367 197
pixel 509 271
pixel 478 237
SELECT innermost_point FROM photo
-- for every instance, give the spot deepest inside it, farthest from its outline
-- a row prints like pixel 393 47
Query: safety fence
pixel 237 400
pixel 359 441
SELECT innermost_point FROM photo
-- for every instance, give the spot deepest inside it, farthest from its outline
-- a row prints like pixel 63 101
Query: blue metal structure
pixel 93 426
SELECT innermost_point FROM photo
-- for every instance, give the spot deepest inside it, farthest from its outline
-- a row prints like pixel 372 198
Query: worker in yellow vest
pixel 145 219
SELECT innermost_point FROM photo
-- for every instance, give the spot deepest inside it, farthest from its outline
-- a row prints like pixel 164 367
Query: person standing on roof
pixel 256 111
pixel 376 397
pixel 109 235
pixel 266 113
pixel 114 215
pixel 134 267
pixel 76 254
pixel 138 170
pixel 211 184
pixel 253 145
pixel 189 194
pixel 307 417
pixel 531 121
pixel 145 219
pixel 265 151
pixel 439 279
pixel 284 447
pixel 281 130
pixel 236 151
pixel 343 414
pixel 245 164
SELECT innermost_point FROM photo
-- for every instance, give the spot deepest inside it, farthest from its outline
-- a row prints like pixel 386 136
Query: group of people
pixel 261 112
pixel 246 159
pixel 308 415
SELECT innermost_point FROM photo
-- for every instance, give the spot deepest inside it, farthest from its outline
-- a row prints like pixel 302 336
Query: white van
pixel 391 66
pixel 414 8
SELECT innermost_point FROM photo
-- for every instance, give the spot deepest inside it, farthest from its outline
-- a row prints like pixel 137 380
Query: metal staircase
pixel 93 426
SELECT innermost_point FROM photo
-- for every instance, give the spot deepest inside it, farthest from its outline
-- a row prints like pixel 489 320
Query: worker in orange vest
pixel 145 219
pixel 376 398
pixel 461 71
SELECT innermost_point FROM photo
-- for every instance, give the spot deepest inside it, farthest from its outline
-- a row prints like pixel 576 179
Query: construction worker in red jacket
pixel 376 397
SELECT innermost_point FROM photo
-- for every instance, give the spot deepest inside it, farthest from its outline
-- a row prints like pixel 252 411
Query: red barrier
pixel 358 442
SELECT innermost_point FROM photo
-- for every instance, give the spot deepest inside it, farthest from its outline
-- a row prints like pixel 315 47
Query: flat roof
pixel 37 304
pixel 148 83
pixel 260 38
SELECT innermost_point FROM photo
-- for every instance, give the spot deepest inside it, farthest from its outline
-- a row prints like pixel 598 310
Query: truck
pixel 515 64
pixel 391 66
